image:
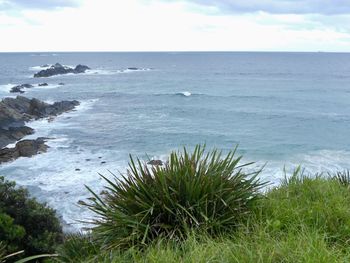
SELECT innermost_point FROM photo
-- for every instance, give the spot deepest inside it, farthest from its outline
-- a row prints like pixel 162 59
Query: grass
pixel 247 245
pixel 304 219
pixel 318 203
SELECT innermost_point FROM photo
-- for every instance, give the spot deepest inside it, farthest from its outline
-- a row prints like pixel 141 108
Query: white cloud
pixel 135 25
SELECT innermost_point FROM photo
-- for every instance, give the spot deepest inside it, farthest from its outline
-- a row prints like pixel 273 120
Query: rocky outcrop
pixel 19 88
pixel 25 148
pixel 59 69
pixel 13 134
pixel 14 112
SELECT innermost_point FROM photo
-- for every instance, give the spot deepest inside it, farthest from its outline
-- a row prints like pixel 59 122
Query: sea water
pixel 282 109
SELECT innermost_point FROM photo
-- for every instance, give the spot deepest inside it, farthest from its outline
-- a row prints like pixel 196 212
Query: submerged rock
pixel 59 69
pixel 19 88
pixel 155 162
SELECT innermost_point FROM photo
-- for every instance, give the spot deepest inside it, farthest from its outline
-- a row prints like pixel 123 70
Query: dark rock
pixel 14 112
pixel 25 148
pixel 81 68
pixel 43 84
pixel 103 162
pixel 77 169
pixel 61 83
pixel 133 68
pixel 155 162
pixel 88 160
pixel 19 88
pixel 58 69
pixel 13 134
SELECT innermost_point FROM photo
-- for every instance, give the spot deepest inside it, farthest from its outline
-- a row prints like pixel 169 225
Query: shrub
pixel 195 191
pixel 10 233
pixel 26 224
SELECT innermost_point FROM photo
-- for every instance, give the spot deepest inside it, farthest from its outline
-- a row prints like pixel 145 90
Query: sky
pixel 174 25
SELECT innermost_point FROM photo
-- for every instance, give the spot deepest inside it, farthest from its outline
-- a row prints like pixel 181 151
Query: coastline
pixel 14 115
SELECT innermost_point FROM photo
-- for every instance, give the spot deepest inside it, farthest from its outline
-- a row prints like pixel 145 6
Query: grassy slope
pixel 303 220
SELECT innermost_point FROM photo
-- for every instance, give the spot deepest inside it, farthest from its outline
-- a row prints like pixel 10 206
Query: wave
pixel 6 87
pixel 44 55
pixel 46 66
pixel 115 71
pixel 184 93
pixel 38 68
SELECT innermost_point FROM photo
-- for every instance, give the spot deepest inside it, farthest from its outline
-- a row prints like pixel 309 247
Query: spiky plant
pixel 343 178
pixel 195 191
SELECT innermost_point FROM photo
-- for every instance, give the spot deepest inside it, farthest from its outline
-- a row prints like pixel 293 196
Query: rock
pixel 88 160
pixel 19 88
pixel 133 68
pixel 103 162
pixel 14 112
pixel 43 84
pixel 81 68
pixel 77 169
pixel 13 134
pixel 155 162
pixel 25 148
pixel 58 69
pixel 61 83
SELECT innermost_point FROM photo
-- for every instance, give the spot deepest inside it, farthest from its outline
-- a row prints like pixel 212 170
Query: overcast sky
pixel 175 25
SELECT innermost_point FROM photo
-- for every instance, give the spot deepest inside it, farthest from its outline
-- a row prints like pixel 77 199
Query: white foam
pixel 128 70
pixel 101 72
pixel 6 87
pixel 185 93
pixel 38 68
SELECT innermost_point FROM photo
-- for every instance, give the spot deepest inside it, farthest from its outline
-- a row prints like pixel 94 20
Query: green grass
pixel 318 203
pixel 304 219
pixel 247 245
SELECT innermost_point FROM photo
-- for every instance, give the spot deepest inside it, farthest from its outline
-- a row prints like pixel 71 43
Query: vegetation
pixel 191 192
pixel 204 207
pixel 26 224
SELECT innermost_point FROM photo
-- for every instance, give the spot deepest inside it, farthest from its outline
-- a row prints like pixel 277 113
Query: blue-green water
pixel 281 108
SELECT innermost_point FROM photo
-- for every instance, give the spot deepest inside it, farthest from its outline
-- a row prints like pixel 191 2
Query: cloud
pixel 37 4
pixel 324 7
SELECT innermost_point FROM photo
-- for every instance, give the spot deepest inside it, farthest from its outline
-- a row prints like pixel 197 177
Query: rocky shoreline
pixel 14 113
pixel 59 69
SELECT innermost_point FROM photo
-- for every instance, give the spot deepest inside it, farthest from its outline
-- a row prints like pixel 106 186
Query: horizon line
pixel 182 51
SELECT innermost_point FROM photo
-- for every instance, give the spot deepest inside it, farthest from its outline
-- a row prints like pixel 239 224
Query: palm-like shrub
pixel 195 191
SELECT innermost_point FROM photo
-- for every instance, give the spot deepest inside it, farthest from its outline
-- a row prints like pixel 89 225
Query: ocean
pixel 281 109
